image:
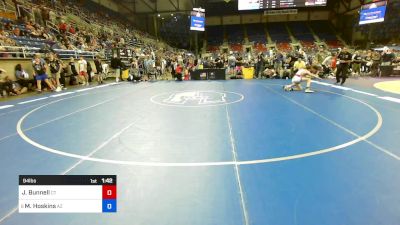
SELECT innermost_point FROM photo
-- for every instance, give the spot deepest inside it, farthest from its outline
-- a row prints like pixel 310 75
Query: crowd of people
pixel 53 74
pixel 279 64
pixel 154 64
pixel 49 22
pixel 66 25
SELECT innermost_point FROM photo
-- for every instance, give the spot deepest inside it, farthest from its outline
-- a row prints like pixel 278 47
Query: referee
pixel 344 58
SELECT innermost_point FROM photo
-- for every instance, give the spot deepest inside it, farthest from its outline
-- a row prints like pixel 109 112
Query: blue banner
pixel 373 15
pixel 197 23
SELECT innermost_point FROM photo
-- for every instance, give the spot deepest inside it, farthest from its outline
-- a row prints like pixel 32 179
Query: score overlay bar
pixel 67 193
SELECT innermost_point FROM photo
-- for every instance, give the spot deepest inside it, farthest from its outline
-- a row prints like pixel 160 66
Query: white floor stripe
pixel 363 92
pixel 360 92
pixel 390 99
pixel 33 100
pixel 69 114
pixel 62 94
pixel 321 83
pixel 102 145
pixel 14 210
pixel 85 89
pixel 6 106
pixel 234 154
pixel 342 88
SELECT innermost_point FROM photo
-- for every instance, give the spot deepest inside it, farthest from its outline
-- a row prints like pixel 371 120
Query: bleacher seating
pixel 323 30
pixel 215 35
pixel 31 42
pixel 334 44
pixel 256 33
pixel 284 46
pixel 236 47
pixel 235 34
pixel 212 48
pixel 301 32
pixel 259 47
pixel 278 33
pixel 308 45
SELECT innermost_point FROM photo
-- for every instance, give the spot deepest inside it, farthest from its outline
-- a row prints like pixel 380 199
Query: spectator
pixel 89 72
pixel 376 61
pixel 387 57
pixel 116 65
pixel 71 29
pixel 231 63
pixel 299 64
pixel 15 87
pixel 82 71
pixel 62 27
pixel 259 64
pixel 23 77
pixel 73 73
pixel 278 59
pixel 29 26
pixel 99 70
pixel 357 60
pixel 343 67
pixel 8 26
pixel 55 69
pixel 269 72
pixel 5 85
pixel 367 62
pixel 286 67
pixel 178 72
pixel 16 32
pixel 40 67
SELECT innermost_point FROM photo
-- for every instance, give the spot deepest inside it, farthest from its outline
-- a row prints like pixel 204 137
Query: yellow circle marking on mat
pixel 389 86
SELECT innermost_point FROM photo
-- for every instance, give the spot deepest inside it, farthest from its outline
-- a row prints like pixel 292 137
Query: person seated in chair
pixel 23 78
pixel 269 72
pixel 134 74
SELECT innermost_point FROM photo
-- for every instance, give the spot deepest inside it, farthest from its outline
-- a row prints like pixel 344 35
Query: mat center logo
pixel 197 98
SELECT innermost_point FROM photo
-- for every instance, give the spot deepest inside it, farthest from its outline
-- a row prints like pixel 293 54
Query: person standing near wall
pixel 116 65
pixel 40 67
pixel 55 68
pixel 82 67
pixel 99 70
pixel 356 66
pixel 342 71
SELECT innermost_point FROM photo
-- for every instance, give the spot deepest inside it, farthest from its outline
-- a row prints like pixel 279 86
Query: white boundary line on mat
pixel 202 164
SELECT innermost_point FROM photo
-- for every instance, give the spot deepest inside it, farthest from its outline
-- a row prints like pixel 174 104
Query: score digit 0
pixel 109 192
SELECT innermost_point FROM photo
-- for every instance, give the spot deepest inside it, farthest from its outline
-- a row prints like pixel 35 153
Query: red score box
pixel 109 192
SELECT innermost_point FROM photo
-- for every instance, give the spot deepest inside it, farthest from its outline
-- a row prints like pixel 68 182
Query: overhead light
pixel 158 15
pixel 172 14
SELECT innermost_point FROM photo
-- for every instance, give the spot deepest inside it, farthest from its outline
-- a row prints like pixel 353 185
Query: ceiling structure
pixel 154 7
pixel 139 7
pixel 143 12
